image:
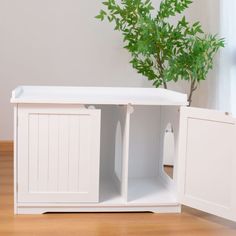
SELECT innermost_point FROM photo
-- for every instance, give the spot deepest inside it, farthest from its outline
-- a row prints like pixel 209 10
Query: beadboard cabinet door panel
pixel 58 154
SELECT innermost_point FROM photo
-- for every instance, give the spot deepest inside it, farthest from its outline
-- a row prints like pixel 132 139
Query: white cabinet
pixel 101 149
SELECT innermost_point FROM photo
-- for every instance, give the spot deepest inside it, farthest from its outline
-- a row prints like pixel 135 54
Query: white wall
pixel 227 85
pixel 58 42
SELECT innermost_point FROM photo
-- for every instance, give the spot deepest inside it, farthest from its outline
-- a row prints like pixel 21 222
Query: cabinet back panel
pixel 109 119
pixel 144 141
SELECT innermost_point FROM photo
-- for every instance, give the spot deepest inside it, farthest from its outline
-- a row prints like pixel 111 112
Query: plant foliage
pixel 162 51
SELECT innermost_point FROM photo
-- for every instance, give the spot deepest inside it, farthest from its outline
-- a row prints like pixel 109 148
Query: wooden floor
pixel 189 223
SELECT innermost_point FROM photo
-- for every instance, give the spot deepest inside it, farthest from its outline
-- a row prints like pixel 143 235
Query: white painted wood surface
pixel 169 146
pixel 58 154
pixel 207 161
pixel 97 95
pixel 15 163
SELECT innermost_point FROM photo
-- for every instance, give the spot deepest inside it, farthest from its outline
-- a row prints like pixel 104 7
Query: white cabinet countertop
pixel 97 95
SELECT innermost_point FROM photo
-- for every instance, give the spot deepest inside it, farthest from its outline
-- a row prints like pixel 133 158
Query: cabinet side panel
pixel 15 156
pixel 22 152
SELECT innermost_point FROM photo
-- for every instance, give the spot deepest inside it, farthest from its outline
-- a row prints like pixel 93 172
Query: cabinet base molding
pixel 154 209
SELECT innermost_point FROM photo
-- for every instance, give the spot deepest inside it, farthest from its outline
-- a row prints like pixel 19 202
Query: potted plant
pixel 160 50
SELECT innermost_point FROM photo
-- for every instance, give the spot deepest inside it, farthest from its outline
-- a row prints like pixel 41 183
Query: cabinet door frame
pixel 22 175
pixel 189 195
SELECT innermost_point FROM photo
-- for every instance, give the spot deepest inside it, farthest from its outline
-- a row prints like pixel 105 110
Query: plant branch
pixel 161 68
pixel 193 88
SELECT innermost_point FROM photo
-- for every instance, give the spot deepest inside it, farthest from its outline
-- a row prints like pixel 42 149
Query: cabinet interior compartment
pixel 147 180
pixel 111 153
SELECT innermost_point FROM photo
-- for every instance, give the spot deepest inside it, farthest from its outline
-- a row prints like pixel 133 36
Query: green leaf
pixel 101 15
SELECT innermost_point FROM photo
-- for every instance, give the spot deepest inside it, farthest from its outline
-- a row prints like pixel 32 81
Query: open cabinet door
pixel 207 161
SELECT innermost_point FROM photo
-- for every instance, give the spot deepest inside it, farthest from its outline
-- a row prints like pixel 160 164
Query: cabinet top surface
pixel 97 95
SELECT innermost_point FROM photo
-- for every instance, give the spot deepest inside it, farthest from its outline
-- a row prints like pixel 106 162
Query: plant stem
pixel 161 67
pixel 193 87
pixel 165 85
